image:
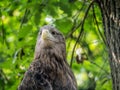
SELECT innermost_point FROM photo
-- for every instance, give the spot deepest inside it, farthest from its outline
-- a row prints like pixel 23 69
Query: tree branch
pixel 98 25
pixel 73 29
pixel 81 32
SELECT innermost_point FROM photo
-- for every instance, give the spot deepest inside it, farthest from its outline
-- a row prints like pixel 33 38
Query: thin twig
pixel 3 74
pixel 98 25
pixel 25 15
pixel 91 58
pixel 78 12
pixel 23 19
pixel 4 35
pixel 73 29
pixel 99 67
pixel 81 32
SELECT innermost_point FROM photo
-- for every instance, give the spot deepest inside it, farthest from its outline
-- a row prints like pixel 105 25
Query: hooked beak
pixel 46 35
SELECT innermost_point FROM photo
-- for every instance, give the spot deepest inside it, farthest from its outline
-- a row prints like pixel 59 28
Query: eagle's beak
pixel 46 35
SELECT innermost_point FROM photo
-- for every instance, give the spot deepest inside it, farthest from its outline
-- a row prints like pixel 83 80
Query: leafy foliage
pixel 20 22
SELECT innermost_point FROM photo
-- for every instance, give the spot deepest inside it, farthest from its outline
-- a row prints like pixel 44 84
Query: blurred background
pixel 80 22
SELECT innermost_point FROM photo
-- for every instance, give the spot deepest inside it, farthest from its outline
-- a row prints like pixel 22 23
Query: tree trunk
pixel 110 10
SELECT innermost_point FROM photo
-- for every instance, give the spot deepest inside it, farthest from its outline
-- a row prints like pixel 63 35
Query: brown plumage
pixel 49 69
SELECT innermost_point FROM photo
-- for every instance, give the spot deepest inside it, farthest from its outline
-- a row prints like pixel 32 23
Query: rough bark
pixel 110 10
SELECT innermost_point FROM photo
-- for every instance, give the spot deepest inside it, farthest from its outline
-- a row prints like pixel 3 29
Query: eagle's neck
pixel 49 54
pixel 51 59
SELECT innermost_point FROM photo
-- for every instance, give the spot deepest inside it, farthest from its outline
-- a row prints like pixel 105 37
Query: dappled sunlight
pixel 84 35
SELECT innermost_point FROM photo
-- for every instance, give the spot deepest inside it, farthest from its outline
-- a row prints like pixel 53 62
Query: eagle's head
pixel 50 40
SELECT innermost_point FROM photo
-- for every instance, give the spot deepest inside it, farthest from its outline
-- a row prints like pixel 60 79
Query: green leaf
pixel 64 25
pixel 24 31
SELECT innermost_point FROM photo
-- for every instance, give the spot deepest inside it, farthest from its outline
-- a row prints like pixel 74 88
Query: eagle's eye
pixel 53 32
pixel 40 33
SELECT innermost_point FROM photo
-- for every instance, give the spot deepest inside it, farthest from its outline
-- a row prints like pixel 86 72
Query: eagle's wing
pixel 35 79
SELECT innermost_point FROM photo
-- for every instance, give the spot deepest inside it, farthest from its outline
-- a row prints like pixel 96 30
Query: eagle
pixel 49 70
